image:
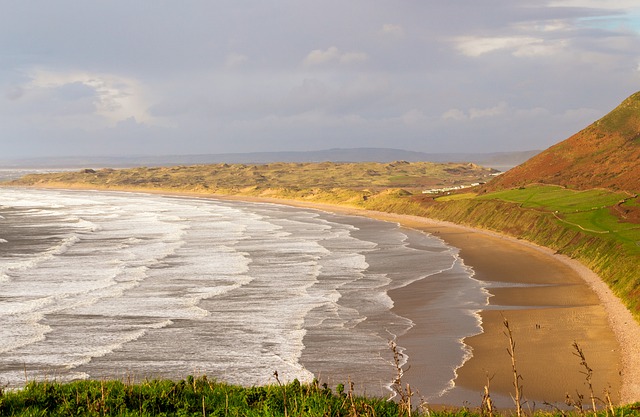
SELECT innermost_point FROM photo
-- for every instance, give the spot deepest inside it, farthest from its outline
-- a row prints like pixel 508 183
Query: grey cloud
pixel 75 91
pixel 14 93
pixel 230 76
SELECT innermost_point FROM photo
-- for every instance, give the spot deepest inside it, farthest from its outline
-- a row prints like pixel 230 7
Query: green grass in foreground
pixel 203 397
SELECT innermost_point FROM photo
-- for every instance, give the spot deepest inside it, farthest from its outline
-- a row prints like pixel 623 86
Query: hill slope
pixel 604 155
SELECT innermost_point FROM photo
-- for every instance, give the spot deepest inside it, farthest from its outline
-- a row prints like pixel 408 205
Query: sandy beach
pixel 550 302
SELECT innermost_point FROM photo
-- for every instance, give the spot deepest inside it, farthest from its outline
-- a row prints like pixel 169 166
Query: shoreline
pixel 598 307
pixel 614 316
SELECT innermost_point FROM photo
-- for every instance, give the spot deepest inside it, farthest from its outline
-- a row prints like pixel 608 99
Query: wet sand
pixel 548 306
pixel 550 302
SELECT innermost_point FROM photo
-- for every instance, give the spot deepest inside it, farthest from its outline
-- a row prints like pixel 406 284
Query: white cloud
pixel 476 46
pixel 498 110
pixel 333 55
pixel 544 26
pixel 520 46
pixel 393 30
pixel 319 57
pixel 546 48
pixel 115 98
pixel 475 113
pixel 454 114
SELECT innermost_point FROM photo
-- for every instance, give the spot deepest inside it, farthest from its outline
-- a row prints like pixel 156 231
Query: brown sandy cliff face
pixel 604 155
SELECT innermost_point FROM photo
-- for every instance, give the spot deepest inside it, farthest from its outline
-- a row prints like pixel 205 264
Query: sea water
pixel 114 285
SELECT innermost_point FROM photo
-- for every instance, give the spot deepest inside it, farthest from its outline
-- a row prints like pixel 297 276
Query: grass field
pixel 590 211
pixel 558 199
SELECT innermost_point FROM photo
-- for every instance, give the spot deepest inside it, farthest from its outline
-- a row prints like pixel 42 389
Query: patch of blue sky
pixel 627 21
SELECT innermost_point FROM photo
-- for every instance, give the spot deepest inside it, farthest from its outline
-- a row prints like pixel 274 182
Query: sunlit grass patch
pixel 453 197
pixel 558 199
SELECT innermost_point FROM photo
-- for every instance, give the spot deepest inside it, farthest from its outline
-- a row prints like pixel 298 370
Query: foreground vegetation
pixel 203 397
pixel 190 397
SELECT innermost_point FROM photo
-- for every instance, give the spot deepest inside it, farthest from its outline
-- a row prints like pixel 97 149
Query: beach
pixel 545 319
pixel 550 302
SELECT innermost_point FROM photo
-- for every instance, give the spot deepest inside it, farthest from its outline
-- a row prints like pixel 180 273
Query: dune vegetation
pixel 257 178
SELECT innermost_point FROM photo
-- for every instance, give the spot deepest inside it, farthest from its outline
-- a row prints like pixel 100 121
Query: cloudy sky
pixel 158 77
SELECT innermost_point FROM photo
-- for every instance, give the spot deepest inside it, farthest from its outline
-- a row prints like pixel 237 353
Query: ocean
pixel 128 285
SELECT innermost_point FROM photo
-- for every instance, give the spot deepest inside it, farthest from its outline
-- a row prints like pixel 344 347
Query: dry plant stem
pixel 486 407
pixel 609 402
pixel 284 393
pixel 588 372
pixel 577 404
pixel 404 393
pixel 511 350
pixel 353 412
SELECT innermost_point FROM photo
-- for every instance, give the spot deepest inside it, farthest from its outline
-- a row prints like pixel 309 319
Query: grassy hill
pixel 606 154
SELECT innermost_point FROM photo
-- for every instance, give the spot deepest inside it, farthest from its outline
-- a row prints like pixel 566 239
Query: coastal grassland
pixel 558 198
pixel 203 397
pixel 281 176
pixel 190 397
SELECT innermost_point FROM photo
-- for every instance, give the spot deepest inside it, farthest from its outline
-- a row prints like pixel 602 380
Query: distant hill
pixel 498 160
pixel 604 155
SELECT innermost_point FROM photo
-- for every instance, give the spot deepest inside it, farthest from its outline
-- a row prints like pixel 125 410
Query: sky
pixel 160 77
